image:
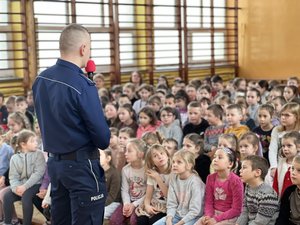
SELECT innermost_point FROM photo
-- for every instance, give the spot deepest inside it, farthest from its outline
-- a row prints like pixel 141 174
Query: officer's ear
pixel 82 49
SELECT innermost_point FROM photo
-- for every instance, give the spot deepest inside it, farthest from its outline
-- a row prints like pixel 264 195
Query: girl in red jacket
pixel 282 177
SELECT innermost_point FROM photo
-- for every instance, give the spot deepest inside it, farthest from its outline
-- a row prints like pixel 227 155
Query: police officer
pixel 73 128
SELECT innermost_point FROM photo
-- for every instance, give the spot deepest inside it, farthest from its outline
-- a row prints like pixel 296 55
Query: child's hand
pixel 125 208
pixel 272 172
pixel 169 220
pixel 153 174
pixel 131 209
pixel 8 136
pixel 2 181
pixel 181 222
pixel 212 152
pixel 211 221
pixel 42 193
pixel 20 190
pixel 128 209
pixel 44 205
pixel 203 220
pixel 150 210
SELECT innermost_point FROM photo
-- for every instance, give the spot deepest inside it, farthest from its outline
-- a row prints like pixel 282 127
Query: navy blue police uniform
pixel 73 127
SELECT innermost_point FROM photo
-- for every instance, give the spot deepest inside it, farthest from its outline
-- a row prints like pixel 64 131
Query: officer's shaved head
pixel 72 37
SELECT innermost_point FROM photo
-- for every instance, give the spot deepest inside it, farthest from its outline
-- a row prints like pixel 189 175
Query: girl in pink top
pixel 147 121
pixel 223 192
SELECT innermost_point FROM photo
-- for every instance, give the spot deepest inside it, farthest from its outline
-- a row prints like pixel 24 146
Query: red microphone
pixel 90 68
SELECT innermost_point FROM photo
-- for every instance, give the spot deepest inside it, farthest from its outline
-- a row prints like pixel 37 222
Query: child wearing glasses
pixel 170 127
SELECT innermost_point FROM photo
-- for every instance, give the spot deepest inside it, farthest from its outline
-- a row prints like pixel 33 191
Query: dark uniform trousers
pixel 78 190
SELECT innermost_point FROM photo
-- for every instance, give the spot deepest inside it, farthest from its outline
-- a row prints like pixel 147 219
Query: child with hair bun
pixel 223 192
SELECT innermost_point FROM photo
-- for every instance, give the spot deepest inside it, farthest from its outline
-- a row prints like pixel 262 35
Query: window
pixel 126 13
pixel 219 8
pixel 201 38
pixel 152 36
pixel 94 15
pixel 4 65
pixel 100 48
pixel 48 32
pixel 126 49
pixel 12 40
pixel 201 46
pixel 166 47
pixel 164 14
pixel 127 34
pixel 91 13
pixel 199 13
pixel 4 36
pixel 48 49
pixel 166 34
pixel 187 29
pixel 57 11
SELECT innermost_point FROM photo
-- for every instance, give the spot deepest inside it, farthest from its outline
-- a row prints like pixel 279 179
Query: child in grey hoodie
pixel 27 168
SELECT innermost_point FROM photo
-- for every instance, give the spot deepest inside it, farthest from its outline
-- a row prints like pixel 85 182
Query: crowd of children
pixel 198 153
